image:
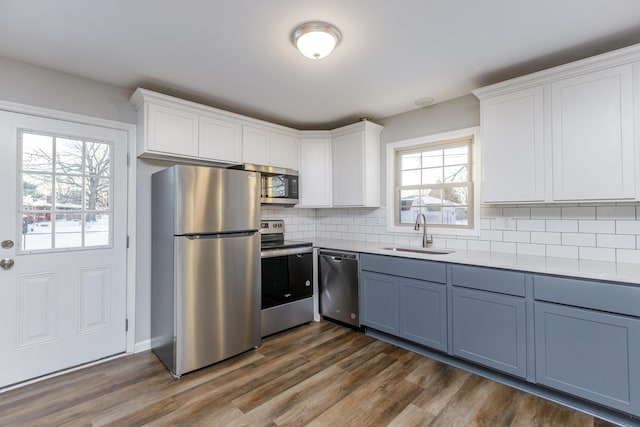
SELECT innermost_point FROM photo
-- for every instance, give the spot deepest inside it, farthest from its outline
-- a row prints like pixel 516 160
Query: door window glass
pixel 66 188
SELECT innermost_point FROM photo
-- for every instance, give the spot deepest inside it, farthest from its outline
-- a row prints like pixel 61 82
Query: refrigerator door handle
pixel 220 235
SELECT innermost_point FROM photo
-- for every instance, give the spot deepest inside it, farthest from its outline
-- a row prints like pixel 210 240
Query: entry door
pixel 63 253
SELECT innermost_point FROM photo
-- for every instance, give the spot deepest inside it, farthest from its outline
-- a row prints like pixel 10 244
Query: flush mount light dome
pixel 315 40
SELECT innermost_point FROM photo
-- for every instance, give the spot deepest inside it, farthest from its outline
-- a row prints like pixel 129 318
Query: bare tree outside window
pixel 66 190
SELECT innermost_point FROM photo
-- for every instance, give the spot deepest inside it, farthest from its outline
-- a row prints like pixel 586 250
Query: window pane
pixel 68 156
pixel 97 193
pixel 68 192
pixel 411 177
pixel 433 214
pixel 37 152
pixel 411 161
pixel 456 196
pixel 97 159
pixel 455 215
pixel 97 229
pixel 68 230
pixel 456 155
pixel 432 176
pixel 456 174
pixel 432 159
pixel 36 230
pixel 36 192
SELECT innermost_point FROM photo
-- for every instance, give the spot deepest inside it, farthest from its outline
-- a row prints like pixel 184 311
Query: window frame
pixel 435 140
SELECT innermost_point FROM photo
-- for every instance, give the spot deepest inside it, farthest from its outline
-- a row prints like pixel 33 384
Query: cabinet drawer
pixel 488 279
pixel 604 296
pixel 403 267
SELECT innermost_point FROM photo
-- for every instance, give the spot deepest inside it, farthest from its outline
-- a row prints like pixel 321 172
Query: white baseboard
pixel 142 346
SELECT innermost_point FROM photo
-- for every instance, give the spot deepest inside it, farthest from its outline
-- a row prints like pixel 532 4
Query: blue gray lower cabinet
pixel 405 306
pixel 589 354
pixel 490 329
pixel 379 301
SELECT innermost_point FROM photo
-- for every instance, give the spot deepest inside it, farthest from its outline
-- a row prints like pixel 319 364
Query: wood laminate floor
pixel 319 374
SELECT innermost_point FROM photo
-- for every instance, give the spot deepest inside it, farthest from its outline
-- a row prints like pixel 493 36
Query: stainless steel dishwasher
pixel 339 283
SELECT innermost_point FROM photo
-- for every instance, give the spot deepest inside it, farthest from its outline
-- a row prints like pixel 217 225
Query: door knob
pixel 7 244
pixel 6 263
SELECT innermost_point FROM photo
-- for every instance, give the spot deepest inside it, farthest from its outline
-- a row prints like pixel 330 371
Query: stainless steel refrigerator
pixel 205 278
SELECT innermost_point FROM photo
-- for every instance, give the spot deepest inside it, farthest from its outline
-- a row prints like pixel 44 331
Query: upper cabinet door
pixel 513 147
pixel 315 172
pixel 283 150
pixel 172 131
pixel 593 141
pixel 220 140
pixel 255 146
pixel 348 169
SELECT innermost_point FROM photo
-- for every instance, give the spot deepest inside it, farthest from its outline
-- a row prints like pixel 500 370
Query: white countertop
pixel 599 270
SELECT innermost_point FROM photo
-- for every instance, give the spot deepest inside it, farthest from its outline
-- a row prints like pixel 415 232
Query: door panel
pixel 63 302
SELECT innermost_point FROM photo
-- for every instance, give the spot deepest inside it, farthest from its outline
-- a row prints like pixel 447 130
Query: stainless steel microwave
pixel 279 186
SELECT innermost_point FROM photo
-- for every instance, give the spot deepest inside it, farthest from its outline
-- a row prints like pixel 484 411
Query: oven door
pixel 287 275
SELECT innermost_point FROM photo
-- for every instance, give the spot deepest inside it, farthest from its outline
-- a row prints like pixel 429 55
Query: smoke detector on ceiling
pixel 423 102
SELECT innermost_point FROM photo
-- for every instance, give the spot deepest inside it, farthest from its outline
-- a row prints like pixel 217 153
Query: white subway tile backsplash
pixel 478 245
pixel 516 212
pixel 503 247
pixel 546 238
pixel 516 236
pixel 579 212
pixel 529 249
pixel 621 241
pixel 562 251
pixel 592 226
pixel 546 213
pixel 627 227
pixel 490 212
pixel 601 232
pixel 616 212
pixel 628 255
pixel 598 254
pixel 562 225
pixel 491 235
pixel 578 239
pixel 531 225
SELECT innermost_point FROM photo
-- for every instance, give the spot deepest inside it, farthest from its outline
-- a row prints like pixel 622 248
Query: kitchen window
pixel 434 175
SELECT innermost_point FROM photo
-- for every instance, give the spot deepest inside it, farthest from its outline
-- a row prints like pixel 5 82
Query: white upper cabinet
pixel 512 130
pixel 264 147
pixel 255 146
pixel 564 134
pixel 220 140
pixel 356 165
pixel 284 150
pixel 315 169
pixel 593 141
pixel 171 130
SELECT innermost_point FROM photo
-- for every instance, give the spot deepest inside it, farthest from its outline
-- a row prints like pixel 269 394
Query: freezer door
pixel 217 298
pixel 214 200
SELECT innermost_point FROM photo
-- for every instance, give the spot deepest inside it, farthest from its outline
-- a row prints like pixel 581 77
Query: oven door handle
pixel 272 253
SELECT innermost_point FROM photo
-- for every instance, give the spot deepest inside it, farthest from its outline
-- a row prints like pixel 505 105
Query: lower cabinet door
pixel 423 312
pixel 379 301
pixel 489 329
pixel 590 354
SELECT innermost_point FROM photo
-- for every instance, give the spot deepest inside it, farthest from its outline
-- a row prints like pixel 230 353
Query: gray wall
pixel 27 84
pixel 456 114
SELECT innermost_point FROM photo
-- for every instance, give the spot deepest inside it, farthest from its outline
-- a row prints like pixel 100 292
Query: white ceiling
pixel 236 54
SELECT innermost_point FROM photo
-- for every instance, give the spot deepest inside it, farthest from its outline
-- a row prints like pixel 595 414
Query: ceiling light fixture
pixel 315 40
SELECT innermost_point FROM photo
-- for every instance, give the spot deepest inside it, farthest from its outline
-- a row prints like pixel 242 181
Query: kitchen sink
pixel 429 251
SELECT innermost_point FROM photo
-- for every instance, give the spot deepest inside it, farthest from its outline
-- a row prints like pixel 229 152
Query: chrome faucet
pixel 426 241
